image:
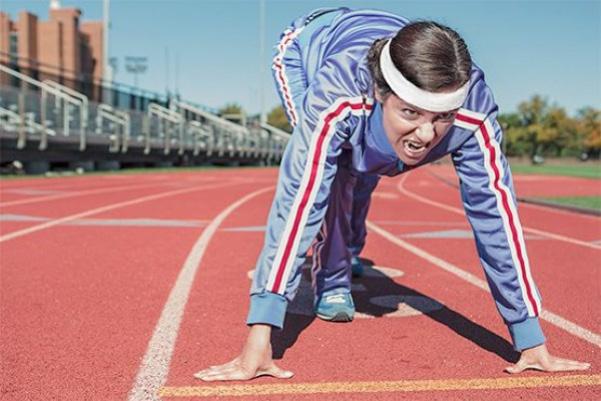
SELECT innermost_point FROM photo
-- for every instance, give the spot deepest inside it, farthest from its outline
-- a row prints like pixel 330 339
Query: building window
pixel 13 48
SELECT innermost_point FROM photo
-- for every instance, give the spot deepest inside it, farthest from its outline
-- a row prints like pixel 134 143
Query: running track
pixel 120 287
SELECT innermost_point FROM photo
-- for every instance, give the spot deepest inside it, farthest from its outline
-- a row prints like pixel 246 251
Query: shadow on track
pixel 378 286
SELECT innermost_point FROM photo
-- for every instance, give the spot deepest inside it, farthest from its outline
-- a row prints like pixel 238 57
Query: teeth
pixel 413 146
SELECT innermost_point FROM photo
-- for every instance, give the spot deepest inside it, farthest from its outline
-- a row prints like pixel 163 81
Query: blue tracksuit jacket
pixel 322 76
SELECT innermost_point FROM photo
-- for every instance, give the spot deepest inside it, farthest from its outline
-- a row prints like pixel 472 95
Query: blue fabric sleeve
pixel 490 204
pixel 526 334
pixel 267 308
pixel 307 171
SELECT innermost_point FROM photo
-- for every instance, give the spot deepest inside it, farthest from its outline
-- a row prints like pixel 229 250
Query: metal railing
pixel 277 140
pixel 229 137
pixel 64 102
pixel 13 121
pixel 168 121
pixel 33 110
pixel 119 126
pixel 61 98
pixel 201 137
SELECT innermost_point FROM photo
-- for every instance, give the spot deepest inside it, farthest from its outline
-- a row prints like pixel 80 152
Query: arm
pixel 307 171
pixel 306 175
pixel 491 208
pixel 489 202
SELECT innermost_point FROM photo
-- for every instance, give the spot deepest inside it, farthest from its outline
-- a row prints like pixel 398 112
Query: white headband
pixel 407 91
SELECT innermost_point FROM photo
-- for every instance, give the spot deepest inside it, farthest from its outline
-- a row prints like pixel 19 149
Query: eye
pixel 409 113
pixel 446 116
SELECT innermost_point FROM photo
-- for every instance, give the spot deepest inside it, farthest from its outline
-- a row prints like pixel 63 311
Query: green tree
pixel 589 128
pixel 514 134
pixel 532 113
pixel 231 108
pixel 233 112
pixel 277 118
pixel 558 136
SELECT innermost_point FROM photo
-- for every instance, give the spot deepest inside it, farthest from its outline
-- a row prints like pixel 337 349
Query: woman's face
pixel 412 131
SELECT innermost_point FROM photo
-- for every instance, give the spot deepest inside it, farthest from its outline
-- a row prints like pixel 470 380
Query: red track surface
pixel 79 303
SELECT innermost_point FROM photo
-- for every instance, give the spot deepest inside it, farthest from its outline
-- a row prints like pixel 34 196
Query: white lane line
pixel 385 195
pixel 32 191
pixel 140 222
pixel 61 183
pixel 546 234
pixel 422 223
pixel 154 368
pixel 453 182
pixel 63 220
pixel 550 317
pixel 68 191
pixel 96 191
pixel 72 194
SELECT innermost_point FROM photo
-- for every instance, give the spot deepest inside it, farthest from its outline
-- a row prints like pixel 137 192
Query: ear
pixel 377 94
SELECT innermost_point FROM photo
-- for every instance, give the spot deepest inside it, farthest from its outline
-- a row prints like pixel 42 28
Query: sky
pixel 550 48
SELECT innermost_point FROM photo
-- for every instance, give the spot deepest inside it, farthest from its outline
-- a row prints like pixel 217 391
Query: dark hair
pixel 431 56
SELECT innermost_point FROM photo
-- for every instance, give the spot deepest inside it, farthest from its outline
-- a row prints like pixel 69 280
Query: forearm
pixel 258 341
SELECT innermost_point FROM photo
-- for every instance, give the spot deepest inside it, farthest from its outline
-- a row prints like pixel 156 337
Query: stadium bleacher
pixel 44 124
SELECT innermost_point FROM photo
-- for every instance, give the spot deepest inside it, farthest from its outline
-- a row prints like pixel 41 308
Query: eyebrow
pixel 426 111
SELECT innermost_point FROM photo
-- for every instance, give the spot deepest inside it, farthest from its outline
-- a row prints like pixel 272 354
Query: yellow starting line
pixel 381 386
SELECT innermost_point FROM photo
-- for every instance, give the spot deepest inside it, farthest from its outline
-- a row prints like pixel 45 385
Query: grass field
pixel 566 168
pixel 586 170
pixel 588 202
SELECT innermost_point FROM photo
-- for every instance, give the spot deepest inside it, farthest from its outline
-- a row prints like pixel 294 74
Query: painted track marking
pixel 61 195
pixel 403 386
pixel 550 317
pixel 154 368
pixel 454 184
pixel 62 220
pixel 73 194
pixel 452 209
pixel 138 222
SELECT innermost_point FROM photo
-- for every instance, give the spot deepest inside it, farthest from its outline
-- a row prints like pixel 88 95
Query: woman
pixel 370 94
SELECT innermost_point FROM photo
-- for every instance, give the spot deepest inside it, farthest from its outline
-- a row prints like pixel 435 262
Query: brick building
pixel 64 48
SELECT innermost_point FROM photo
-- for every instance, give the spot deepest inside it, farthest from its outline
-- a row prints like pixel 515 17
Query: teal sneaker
pixel 357 267
pixel 335 307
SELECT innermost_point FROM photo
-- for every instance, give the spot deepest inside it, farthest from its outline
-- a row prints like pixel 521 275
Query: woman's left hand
pixel 539 358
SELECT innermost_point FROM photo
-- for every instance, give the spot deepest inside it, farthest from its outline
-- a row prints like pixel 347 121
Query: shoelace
pixel 336 299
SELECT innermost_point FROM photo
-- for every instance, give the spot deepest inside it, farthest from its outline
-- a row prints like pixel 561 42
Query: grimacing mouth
pixel 414 145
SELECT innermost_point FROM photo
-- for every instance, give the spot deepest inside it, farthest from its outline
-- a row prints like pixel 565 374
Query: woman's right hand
pixel 254 361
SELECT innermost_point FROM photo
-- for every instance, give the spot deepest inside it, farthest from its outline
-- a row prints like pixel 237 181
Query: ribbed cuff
pixel 526 334
pixel 267 308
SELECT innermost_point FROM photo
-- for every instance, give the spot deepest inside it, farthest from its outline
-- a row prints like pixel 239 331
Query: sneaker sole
pixel 339 317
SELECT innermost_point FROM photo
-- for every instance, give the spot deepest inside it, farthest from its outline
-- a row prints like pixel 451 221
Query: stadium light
pixel 136 66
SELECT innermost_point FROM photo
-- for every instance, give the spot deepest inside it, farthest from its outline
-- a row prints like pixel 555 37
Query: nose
pixel 425 132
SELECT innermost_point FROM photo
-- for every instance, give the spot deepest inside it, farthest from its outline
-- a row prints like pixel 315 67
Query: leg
pixel 366 184
pixel 332 255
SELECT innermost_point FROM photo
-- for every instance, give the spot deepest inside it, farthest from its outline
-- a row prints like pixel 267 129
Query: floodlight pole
pixel 107 71
pixel 262 59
